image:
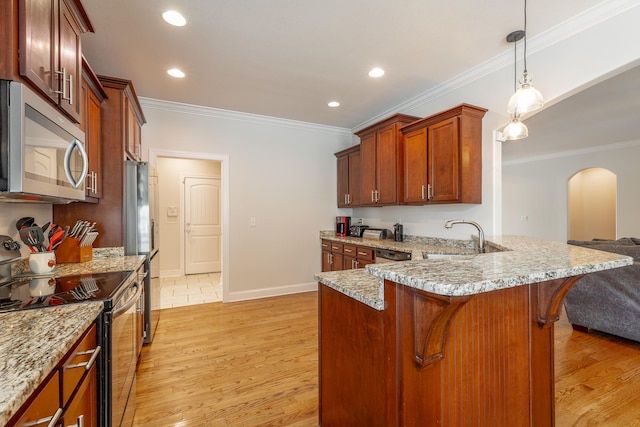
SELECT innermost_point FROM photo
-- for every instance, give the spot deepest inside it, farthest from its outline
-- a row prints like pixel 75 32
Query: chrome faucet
pixel 450 223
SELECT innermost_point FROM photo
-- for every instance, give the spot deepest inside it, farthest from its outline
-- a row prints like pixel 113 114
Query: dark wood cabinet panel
pixel 50 55
pixel 349 163
pixel 109 212
pixel 92 96
pixel 443 157
pixel 382 161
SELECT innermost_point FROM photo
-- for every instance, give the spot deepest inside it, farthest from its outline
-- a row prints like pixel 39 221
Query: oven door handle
pixel 131 302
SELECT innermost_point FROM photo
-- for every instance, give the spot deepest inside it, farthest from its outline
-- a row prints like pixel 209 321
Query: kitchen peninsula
pixel 448 341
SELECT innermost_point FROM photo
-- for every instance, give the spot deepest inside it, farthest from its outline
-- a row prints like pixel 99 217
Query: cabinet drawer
pixel 350 250
pixel 326 245
pixel 366 253
pixel 80 360
pixel 336 247
pixel 45 406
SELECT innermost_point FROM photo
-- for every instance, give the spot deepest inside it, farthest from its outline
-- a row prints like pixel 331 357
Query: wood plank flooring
pixel 255 363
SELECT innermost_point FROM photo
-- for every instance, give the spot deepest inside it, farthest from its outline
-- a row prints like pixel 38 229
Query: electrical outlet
pixel 252 221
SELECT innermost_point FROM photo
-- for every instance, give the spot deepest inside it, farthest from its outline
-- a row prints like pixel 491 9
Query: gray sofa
pixel 608 301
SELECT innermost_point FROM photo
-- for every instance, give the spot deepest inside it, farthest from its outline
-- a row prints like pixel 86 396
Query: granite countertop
pixel 517 261
pixel 418 246
pixel 96 265
pixel 32 342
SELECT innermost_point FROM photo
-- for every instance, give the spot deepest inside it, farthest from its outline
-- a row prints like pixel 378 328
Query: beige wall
pixel 171 171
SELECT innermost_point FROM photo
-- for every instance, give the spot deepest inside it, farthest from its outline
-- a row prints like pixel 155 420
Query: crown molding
pixel 218 113
pixel 578 23
pixel 574 153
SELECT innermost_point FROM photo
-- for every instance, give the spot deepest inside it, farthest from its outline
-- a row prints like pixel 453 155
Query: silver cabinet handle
pixel 330 259
pixel 70 98
pixel 348 250
pixel 372 196
pixel 429 192
pixel 51 421
pixel 94 180
pixel 86 365
pixel 348 199
pixel 80 422
pixel 62 92
pixel 423 192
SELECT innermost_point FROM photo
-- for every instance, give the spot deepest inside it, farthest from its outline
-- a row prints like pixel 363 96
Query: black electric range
pixel 44 291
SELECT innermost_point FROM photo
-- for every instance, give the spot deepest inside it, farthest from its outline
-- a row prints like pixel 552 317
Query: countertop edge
pixel 52 332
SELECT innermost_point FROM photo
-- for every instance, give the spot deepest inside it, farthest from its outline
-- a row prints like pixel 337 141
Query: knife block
pixel 71 251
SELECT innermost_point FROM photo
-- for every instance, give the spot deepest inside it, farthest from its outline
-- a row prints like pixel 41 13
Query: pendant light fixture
pixel 515 129
pixel 527 98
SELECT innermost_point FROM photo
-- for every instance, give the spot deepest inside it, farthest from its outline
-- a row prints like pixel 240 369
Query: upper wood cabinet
pixel 93 95
pixel 121 101
pixel 50 50
pixel 349 177
pixel 381 160
pixel 443 157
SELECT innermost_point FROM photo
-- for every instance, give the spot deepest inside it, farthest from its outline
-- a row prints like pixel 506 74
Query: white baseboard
pixel 271 292
pixel 170 273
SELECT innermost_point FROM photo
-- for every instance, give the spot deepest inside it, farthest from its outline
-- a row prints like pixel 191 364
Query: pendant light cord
pixel 525 37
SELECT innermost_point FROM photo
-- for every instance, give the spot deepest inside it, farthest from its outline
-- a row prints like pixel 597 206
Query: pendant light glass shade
pixel 515 130
pixel 526 99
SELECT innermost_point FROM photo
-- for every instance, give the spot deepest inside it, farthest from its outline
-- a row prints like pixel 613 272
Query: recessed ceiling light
pixel 175 73
pixel 174 18
pixel 333 104
pixel 376 72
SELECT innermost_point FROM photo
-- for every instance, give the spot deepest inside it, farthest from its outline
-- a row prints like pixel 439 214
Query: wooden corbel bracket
pixel 547 298
pixel 432 315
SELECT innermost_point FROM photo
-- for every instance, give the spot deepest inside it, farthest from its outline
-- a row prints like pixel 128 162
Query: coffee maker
pixel 342 226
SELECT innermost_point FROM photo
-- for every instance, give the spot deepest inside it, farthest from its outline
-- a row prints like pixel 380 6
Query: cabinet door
pixel 326 261
pixel 443 161
pixel 343 181
pixel 83 408
pixel 91 123
pixel 415 166
pixel 38 29
pixel 368 170
pixel 70 63
pixel 133 132
pixel 337 261
pixel 355 166
pixel 387 165
pixel 45 406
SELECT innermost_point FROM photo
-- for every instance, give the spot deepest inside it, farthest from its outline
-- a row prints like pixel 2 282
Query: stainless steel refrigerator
pixel 139 238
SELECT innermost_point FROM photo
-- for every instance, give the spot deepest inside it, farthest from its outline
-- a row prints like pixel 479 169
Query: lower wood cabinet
pixel 70 392
pixel 345 256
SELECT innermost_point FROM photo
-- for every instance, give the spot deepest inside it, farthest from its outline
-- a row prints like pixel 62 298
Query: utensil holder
pixel 71 251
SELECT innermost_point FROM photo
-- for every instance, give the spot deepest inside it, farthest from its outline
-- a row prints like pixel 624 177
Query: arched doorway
pixel 592 205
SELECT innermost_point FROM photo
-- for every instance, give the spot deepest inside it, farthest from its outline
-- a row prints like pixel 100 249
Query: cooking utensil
pixel 44 227
pixel 24 222
pixel 88 238
pixel 34 238
pixel 57 238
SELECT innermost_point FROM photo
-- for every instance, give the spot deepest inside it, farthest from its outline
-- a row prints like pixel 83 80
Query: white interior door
pixel 203 236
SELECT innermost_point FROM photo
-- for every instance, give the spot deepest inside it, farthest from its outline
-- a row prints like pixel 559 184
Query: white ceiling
pixel 289 58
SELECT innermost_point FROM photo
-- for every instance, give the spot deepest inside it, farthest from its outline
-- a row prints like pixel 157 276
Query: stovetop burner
pixel 38 292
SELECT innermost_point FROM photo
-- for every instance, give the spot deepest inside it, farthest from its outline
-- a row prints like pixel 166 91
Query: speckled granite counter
pixel 525 260
pixel 418 246
pixel 96 265
pixel 32 342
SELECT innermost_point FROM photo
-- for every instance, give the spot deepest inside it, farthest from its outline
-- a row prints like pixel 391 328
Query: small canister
pixel 398 233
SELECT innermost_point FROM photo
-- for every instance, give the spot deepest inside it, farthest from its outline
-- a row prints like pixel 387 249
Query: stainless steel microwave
pixel 42 152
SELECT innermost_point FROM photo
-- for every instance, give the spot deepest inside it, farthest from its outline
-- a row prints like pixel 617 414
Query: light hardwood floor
pixel 255 363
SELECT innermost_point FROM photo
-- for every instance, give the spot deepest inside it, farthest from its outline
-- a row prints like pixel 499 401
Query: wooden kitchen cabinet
pixel 349 165
pixel 332 258
pixel 50 50
pixel 93 95
pixel 45 404
pixel 382 161
pixel 357 256
pixel 108 214
pixel 443 157
pixel 134 120
pixel 70 393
